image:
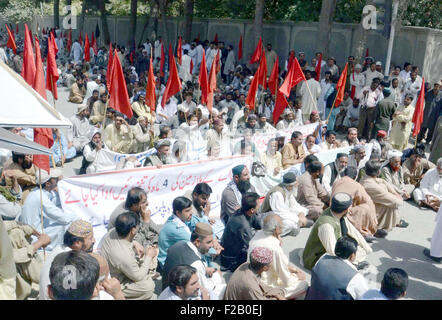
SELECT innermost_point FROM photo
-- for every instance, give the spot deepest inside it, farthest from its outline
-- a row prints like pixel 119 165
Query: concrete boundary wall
pixel 417 45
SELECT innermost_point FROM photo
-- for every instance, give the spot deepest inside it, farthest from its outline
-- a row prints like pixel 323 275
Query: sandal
pixel 402 224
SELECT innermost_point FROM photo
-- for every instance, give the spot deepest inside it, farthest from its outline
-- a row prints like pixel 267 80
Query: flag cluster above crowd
pixel 276 145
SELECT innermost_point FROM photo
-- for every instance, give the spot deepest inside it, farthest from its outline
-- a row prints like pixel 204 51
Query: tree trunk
pixel 82 15
pixel 68 2
pixel 104 26
pixel 133 20
pixel 257 24
pixel 162 5
pixel 152 13
pixel 325 26
pixel 56 13
pixel 360 41
pixel 189 17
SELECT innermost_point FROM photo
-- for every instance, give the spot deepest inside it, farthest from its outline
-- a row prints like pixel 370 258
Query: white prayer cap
pixel 287 111
pixel 215 112
pixel 393 154
pixel 44 177
pixel 183 108
pixel 358 66
pixel 378 63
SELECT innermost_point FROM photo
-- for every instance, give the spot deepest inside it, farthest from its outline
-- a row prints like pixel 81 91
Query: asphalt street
pixel 401 248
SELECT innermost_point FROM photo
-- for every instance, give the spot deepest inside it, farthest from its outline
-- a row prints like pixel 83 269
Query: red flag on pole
pixel 173 85
pixel 251 95
pixel 110 62
pixel 119 98
pixel 263 72
pixel 294 76
pixel 94 44
pixel 163 59
pixel 212 87
pixel 52 71
pixel 11 40
pixel 28 70
pixel 340 87
pixel 69 44
pixel 191 66
pixel 353 88
pixel 291 59
pixel 274 76
pixel 418 115
pixel 280 105
pixel 150 88
pixel 216 38
pixel 80 39
pixel 87 49
pixel 203 81
pixel 318 68
pixel 179 50
pixel 240 49
pixel 39 79
pixel 257 53
pixel 54 44
pixel 217 63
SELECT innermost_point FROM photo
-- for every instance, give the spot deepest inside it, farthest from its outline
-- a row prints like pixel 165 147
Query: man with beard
pixel 55 220
pixel 118 136
pixel 140 108
pixel 78 237
pixel 392 173
pixel 331 225
pixel 162 156
pixel 92 99
pixel 78 135
pixel 238 232
pixel 380 145
pixel 232 194
pixel 20 168
pixel 368 99
pixel 77 91
pixel 181 117
pixel 415 167
pixel 288 122
pixel 352 117
pixel 250 124
pixel 98 108
pixel 429 193
pixel 142 135
pixel 264 126
pixel 229 107
pixel 334 171
pixel 193 253
pixel 351 138
pixel 281 200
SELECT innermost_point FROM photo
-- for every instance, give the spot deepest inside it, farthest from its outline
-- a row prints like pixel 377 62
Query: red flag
pixel 163 59
pixel 28 71
pixel 280 105
pixel 262 75
pixel 274 76
pixel 340 87
pixel 94 44
pixel 258 52
pixel 119 98
pixel 191 66
pixel 179 50
pixel 216 38
pixel 173 85
pixel 418 115
pixel 318 68
pixel 291 59
pixel 69 44
pixel 87 49
pixel 39 79
pixel 240 49
pixel 251 95
pixel 16 29
pixel 293 77
pixel 44 137
pixel 110 62
pixel 11 40
pixel 54 44
pixel 80 39
pixel 353 88
pixel 217 63
pixel 52 71
pixel 150 88
pixel 203 81
pixel 212 87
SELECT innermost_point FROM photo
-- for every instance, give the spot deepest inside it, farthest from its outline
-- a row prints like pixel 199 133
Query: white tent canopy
pixel 14 142
pixel 22 106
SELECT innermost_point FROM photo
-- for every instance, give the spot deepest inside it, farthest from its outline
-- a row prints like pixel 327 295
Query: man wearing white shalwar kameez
pixel 76 52
pixel 357 79
pixel 281 273
pixel 164 114
pixel 184 68
pixel 435 251
pixel 309 104
pixel 430 187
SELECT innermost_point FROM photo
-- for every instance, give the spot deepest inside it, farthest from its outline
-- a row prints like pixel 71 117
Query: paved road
pixel 401 248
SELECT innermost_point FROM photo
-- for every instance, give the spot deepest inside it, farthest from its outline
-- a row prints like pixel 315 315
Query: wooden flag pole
pixel 41 211
pixel 61 152
pixel 333 106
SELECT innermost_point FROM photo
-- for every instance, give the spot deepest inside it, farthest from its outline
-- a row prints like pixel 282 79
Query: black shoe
pixel 380 233
pixel 369 239
pixel 362 265
pixel 402 224
pixel 428 254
